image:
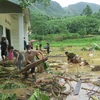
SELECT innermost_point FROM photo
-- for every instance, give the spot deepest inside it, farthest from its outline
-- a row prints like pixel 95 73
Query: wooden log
pixel 28 67
pixel 32 65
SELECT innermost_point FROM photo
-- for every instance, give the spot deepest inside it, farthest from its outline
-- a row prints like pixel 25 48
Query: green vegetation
pixel 63 31
pixel 77 9
pixel 38 95
pixel 73 27
pixel 55 10
pixel 77 42
pixel 27 3
pixel 77 31
pixel 87 11
pixel 12 85
pixel 88 41
pixel 8 96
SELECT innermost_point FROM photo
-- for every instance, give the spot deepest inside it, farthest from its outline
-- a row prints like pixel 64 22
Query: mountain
pixel 76 9
pixel 55 10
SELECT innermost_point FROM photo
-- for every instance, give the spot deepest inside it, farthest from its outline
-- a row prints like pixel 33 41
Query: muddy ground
pixel 58 63
pixel 92 57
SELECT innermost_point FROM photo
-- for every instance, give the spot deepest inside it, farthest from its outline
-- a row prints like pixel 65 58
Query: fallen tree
pixel 29 66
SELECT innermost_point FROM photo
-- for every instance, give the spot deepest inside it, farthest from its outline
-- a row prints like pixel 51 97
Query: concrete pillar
pixel 26 33
pixel 4 31
pixel 21 32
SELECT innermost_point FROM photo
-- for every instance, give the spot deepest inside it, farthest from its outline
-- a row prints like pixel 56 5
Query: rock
pixel 83 63
pixel 92 66
pixel 96 68
pixel 54 65
pixel 91 54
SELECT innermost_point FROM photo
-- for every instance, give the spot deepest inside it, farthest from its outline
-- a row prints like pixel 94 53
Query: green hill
pixel 55 10
pixel 76 9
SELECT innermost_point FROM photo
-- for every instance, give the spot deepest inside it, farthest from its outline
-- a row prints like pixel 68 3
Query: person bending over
pixel 72 58
pixel 30 56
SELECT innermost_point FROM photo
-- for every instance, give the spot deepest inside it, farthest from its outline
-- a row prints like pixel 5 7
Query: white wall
pixel 11 21
pixel 15 35
pixel 6 22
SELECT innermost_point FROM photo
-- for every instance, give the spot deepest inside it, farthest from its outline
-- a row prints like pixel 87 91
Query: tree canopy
pixel 87 11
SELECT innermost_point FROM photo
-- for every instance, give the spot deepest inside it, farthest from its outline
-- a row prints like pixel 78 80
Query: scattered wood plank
pixel 77 88
pixel 91 90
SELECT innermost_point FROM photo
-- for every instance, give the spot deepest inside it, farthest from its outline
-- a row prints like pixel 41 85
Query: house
pixel 14 23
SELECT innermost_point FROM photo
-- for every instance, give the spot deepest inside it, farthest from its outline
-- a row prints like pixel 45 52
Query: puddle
pixel 83 94
pixel 93 58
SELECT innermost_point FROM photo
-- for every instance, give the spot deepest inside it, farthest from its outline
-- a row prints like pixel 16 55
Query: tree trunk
pixel 32 65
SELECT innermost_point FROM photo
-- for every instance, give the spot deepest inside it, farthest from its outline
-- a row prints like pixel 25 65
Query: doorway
pixel 8 36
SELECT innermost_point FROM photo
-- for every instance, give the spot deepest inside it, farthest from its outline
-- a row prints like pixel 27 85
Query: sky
pixel 65 3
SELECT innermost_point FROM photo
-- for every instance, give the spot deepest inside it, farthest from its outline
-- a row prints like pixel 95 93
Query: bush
pixel 73 36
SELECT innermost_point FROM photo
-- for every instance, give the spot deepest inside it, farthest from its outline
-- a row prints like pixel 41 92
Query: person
pixel 3 48
pixel 47 47
pixel 18 57
pixel 7 42
pixel 40 46
pixel 25 43
pixel 36 47
pixel 71 57
pixel 10 54
pixel 30 55
pixel 30 44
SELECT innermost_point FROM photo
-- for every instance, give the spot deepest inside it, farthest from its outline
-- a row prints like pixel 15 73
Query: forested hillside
pixel 76 9
pixel 49 28
pixel 55 10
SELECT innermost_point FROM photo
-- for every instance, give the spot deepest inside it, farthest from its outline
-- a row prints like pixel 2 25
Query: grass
pixel 76 42
pixel 89 41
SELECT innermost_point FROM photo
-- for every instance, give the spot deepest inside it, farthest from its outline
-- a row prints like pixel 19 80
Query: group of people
pixel 37 47
pixel 9 53
pixel 17 57
pixel 30 55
